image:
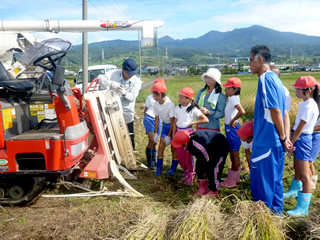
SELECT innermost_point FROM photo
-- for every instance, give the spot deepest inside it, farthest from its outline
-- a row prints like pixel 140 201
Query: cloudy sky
pixel 183 18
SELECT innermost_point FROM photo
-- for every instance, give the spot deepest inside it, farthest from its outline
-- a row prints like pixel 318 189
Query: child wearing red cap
pixel 148 122
pixel 245 132
pixel 185 113
pixel 308 113
pixel 232 113
pixel 163 109
pixel 211 149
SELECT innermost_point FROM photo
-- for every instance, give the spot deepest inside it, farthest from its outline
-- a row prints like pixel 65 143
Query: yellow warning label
pixel 91 174
pixel 7 118
pixel 40 116
pixel 16 70
pixel 35 109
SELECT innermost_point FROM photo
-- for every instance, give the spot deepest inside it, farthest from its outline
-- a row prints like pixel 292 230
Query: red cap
pixel 158 87
pixel 233 82
pixel 305 82
pixel 246 130
pixel 159 80
pixel 180 138
pixel 188 92
pixel 317 83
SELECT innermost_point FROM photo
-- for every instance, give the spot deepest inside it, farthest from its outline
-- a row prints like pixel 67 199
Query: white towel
pixel 213 99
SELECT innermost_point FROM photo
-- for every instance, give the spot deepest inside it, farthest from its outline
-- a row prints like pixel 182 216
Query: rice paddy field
pixel 168 210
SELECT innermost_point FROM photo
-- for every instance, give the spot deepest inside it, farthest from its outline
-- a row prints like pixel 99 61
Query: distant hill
pixel 232 43
pixel 239 41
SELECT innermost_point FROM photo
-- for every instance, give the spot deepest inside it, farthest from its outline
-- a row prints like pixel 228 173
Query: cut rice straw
pixel 199 220
pixel 151 226
pixel 253 220
pixel 313 223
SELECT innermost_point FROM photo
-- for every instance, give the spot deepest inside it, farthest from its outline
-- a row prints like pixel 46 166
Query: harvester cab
pixel 44 134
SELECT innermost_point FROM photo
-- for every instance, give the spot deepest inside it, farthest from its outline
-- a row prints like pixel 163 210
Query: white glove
pixel 104 81
pixel 121 90
pixel 155 138
pixel 167 140
pixel 115 85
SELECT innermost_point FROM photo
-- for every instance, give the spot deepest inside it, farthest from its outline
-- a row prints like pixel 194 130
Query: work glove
pixel 104 81
pixel 155 138
pixel 121 90
pixel 115 85
pixel 167 140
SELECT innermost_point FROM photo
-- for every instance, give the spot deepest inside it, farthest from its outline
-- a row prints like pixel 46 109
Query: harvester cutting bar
pixel 103 162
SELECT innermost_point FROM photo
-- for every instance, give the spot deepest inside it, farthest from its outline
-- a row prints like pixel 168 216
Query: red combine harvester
pixel 45 133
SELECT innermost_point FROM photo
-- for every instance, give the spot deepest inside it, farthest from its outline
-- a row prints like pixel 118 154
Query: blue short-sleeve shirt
pixel 270 95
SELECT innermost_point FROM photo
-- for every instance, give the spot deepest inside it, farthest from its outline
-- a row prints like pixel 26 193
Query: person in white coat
pixel 127 84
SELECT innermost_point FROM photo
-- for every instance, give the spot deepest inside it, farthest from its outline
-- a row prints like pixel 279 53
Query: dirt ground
pixel 91 218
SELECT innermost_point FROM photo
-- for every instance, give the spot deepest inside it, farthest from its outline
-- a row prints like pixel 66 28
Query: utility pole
pixel 158 61
pixel 84 48
pixel 102 54
pixel 166 57
pixel 139 42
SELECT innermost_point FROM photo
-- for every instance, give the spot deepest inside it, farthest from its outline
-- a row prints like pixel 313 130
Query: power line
pixel 97 9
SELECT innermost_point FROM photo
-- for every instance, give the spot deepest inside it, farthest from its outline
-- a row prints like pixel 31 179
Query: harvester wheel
pixel 16 192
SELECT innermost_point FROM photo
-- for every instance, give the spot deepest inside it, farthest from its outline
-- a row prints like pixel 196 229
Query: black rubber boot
pixel 153 159
pixel 149 154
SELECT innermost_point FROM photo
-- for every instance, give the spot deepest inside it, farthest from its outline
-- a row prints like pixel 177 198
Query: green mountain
pixel 204 49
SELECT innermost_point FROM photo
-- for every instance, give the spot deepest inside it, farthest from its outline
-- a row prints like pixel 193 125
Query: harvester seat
pixel 14 85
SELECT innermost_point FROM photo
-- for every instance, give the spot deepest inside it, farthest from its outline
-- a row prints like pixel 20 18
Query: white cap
pixel 213 73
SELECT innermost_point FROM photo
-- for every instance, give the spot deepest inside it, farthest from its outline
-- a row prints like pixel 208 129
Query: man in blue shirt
pixel 270 133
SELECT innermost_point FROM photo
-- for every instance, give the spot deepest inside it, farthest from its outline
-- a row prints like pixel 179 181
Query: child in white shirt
pixel 233 112
pixel 308 113
pixel 163 109
pixel 148 122
pixel 185 113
